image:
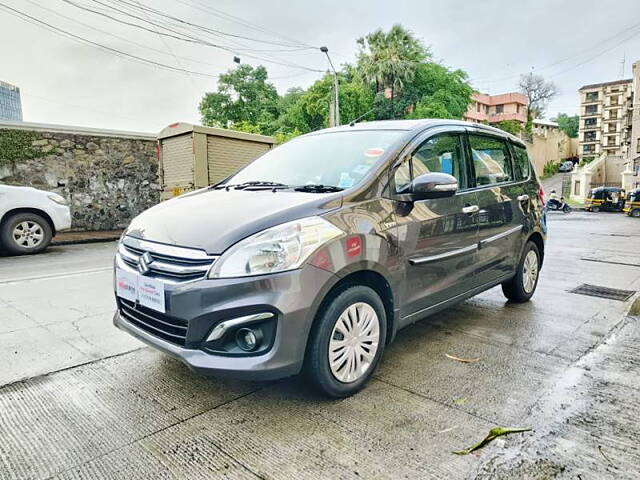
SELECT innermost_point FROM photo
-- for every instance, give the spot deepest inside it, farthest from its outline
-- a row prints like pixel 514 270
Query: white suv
pixel 29 218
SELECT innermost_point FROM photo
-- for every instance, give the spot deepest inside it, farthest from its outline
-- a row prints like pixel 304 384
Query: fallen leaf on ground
pixel 463 360
pixel 493 434
pixel 460 401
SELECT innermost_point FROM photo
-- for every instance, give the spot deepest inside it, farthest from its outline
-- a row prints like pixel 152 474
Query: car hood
pixel 213 220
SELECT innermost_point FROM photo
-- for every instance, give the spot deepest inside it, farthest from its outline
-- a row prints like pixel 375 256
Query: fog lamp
pixel 249 339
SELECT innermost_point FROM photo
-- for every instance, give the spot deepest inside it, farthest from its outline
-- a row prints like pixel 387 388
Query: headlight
pixel 276 249
pixel 58 199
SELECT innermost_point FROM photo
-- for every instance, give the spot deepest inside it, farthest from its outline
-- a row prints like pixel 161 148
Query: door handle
pixel 523 198
pixel 469 209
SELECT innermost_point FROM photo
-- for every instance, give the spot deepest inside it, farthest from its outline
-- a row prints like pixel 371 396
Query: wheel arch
pixel 35 211
pixel 537 238
pixel 369 278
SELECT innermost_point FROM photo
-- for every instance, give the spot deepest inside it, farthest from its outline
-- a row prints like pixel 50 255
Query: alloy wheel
pixel 28 234
pixel 530 271
pixel 354 342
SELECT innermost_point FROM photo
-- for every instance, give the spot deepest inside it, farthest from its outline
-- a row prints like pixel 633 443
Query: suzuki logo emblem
pixel 143 263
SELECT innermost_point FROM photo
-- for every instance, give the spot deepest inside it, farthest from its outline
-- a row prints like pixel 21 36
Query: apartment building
pixel 497 108
pixel 10 104
pixel 605 118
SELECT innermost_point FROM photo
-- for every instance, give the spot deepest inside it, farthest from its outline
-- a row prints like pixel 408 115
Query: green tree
pixel 568 124
pixel 244 96
pixel 438 92
pixel 511 126
pixel 311 110
pixel 390 59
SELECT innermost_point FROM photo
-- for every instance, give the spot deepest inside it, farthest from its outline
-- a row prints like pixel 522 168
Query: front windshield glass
pixel 339 159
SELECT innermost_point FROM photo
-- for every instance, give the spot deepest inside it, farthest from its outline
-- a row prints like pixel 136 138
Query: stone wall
pixel 108 178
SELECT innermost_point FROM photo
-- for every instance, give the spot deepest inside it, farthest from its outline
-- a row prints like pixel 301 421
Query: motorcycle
pixel 559 206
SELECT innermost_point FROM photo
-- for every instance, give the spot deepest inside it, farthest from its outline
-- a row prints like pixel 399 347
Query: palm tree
pixel 390 59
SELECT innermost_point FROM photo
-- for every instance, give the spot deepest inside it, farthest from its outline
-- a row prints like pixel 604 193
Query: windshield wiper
pixel 314 187
pixel 253 183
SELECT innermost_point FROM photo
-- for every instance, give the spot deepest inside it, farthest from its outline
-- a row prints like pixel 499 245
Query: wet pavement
pixel 80 399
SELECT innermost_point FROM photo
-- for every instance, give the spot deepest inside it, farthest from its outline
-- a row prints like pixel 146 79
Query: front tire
pixel 347 342
pixel 523 285
pixel 25 233
pixel 635 212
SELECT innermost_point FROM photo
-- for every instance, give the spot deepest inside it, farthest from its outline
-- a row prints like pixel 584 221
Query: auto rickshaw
pixel 609 199
pixel 632 205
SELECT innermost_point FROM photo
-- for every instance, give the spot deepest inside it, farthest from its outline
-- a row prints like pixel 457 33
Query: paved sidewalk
pixel 69 238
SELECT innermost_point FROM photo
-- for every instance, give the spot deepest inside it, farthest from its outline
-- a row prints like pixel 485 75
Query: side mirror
pixel 433 185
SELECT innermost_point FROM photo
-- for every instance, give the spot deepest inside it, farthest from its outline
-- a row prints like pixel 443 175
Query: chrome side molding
pixel 500 235
pixel 442 256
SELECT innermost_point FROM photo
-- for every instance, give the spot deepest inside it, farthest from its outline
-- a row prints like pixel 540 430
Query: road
pixel 80 399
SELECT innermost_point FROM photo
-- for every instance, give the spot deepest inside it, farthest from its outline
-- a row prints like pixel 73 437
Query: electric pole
pixel 334 113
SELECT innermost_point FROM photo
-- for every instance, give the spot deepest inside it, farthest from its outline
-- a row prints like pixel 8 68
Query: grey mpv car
pixel 313 256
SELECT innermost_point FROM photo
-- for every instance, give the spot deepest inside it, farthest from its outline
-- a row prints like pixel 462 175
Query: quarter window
pixel 490 160
pixel 521 162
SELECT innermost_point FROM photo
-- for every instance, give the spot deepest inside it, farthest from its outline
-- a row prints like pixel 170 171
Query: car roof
pixel 613 189
pixel 418 125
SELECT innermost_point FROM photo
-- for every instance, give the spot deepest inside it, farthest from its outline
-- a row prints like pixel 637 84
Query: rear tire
pixel 25 234
pixel 595 209
pixel 635 212
pixel 341 357
pixel 523 285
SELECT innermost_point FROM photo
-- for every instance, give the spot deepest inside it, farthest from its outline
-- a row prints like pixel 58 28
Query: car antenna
pixel 353 122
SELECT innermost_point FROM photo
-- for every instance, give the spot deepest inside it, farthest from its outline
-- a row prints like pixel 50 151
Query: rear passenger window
pixel 521 162
pixel 490 160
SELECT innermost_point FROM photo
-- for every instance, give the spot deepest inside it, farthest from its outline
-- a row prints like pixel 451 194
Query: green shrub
pixel 550 169
pixel 16 145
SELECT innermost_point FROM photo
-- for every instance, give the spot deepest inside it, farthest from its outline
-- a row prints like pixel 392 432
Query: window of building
pixel 611 141
pixel 490 160
pixel 499 108
pixel 591 97
pixel 612 128
pixel 613 114
pixel 588 148
pixel 590 122
pixel 590 109
pixel 589 136
pixel 477 107
pixel 614 100
pixel 517 108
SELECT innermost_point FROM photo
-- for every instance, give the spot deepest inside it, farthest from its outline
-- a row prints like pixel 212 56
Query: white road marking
pixel 56 275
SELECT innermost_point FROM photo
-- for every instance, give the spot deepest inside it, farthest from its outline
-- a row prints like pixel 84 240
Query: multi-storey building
pixel 10 104
pixel 497 108
pixel 605 121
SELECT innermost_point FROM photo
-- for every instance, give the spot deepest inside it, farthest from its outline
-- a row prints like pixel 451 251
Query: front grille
pixel 168 328
pixel 176 264
pixel 603 292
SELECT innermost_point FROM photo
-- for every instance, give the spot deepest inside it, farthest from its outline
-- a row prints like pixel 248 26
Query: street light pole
pixel 336 98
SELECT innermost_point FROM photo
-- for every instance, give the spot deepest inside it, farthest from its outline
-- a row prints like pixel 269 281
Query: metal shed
pixel 193 156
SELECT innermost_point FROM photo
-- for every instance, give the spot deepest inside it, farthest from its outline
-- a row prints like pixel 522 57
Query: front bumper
pixel 61 217
pixel 292 296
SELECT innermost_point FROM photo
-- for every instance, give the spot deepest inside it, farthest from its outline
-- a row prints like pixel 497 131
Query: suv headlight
pixel 59 199
pixel 276 249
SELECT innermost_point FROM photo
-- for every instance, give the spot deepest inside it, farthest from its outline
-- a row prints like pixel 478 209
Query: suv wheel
pixel 347 342
pixel 523 285
pixel 25 233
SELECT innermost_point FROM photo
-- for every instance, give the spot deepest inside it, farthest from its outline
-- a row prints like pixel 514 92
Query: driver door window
pixel 442 154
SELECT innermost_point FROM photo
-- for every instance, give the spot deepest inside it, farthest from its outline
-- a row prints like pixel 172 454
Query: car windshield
pixel 338 159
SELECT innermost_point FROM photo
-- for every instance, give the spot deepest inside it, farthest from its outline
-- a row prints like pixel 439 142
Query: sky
pixel 66 81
